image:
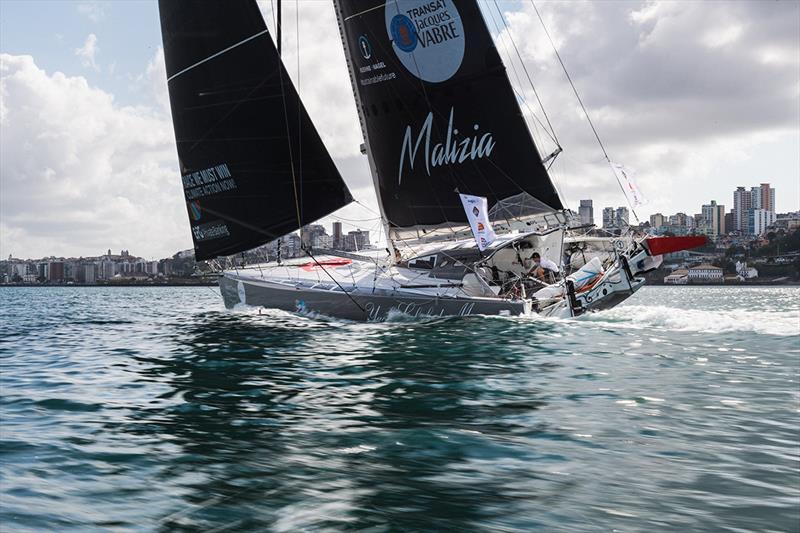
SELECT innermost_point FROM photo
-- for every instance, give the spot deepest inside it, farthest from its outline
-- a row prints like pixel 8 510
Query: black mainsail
pixel 253 166
pixel 439 113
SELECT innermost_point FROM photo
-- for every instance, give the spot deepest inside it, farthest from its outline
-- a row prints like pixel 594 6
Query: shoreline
pixel 792 283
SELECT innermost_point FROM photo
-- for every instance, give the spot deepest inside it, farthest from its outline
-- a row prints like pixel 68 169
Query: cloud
pixel 323 80
pixel 675 89
pixel 81 174
pixel 94 11
pixel 88 51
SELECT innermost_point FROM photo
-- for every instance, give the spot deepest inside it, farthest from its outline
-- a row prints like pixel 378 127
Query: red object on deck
pixel 666 245
pixel 327 263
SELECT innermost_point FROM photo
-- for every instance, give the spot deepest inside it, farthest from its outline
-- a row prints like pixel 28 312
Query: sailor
pixel 542 267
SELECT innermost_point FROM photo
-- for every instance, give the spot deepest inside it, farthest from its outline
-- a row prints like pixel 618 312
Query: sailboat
pixel 474 223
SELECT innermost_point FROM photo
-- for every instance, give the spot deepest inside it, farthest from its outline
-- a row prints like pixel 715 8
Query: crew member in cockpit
pixel 542 268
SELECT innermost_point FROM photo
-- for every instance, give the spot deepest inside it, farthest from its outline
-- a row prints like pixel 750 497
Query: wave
pixel 701 321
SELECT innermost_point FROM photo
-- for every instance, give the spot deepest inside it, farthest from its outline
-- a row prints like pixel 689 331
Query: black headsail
pixel 439 112
pixel 253 166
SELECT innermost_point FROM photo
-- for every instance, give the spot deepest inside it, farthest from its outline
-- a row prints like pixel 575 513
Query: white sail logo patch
pixel 427 36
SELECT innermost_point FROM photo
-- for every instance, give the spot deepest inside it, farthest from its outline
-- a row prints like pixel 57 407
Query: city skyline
pixel 717 215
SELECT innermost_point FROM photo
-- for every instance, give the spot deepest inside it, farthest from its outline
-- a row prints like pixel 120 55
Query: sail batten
pixel 439 113
pixel 242 133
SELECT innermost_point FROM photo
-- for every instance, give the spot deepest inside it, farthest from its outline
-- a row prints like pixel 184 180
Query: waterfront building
pixel 657 220
pixel 681 220
pixel 107 269
pixel 700 224
pixel 151 268
pixel 356 240
pixel 90 273
pixel 729 221
pixel 787 221
pixel 714 216
pixel 337 236
pixel 621 217
pixel 762 197
pixel 586 213
pixel 677 277
pixel 309 232
pixel 55 272
pixel 742 200
pixel 608 218
pixel 322 242
pixel 20 269
pixel 291 246
pixel 705 272
pixel 744 272
pixel 758 220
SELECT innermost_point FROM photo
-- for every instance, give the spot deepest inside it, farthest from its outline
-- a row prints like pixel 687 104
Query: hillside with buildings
pixel 180 269
pixel 750 243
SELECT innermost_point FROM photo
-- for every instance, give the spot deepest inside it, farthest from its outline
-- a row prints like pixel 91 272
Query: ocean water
pixel 154 409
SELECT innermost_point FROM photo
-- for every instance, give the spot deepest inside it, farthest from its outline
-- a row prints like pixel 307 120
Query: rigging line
pixel 349 220
pixel 516 75
pixel 289 140
pixel 299 110
pixel 525 69
pixel 569 78
pixel 583 107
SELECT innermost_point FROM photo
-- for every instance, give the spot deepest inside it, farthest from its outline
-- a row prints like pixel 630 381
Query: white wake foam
pixel 785 323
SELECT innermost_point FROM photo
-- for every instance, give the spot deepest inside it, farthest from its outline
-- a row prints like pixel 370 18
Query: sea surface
pixel 155 409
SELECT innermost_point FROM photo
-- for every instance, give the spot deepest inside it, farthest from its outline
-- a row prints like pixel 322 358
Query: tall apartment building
pixel 742 199
pixel 356 240
pixel 609 221
pixel 763 197
pixel 586 212
pixel 621 217
pixel 657 220
pixel 745 203
pixel 714 218
pixel 56 271
pixel 758 220
pixel 337 243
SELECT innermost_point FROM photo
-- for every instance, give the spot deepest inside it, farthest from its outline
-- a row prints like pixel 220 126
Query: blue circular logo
pixel 404 34
pixel 438 30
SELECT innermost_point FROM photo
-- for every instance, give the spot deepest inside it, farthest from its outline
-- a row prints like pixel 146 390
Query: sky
pixel 696 97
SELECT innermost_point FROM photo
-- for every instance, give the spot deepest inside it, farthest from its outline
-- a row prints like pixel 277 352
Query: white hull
pixel 362 289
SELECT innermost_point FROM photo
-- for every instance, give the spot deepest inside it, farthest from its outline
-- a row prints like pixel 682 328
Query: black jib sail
pixel 253 166
pixel 440 113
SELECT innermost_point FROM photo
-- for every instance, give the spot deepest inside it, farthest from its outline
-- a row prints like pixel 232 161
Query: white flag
pixel 627 178
pixel 478 216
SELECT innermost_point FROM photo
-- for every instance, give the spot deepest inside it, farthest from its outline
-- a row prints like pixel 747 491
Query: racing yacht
pixel 474 223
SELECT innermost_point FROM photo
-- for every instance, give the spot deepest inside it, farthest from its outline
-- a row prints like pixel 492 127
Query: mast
pixel 373 169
